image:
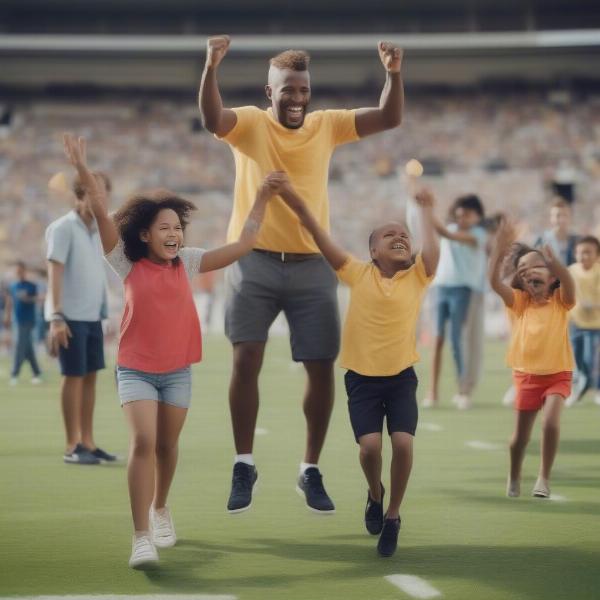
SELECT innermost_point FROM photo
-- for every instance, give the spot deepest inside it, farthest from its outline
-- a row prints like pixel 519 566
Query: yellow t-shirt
pixel 539 342
pixel 380 331
pixel 260 145
pixel 586 313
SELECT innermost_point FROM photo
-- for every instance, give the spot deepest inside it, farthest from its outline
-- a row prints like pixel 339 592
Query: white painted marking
pixel 479 445
pixel 557 498
pixel 127 597
pixel 261 431
pixel 430 427
pixel 414 586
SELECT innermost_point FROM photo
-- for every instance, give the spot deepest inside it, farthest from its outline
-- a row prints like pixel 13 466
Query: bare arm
pixel 216 119
pixel 561 272
pixel 59 330
pixel 334 255
pixel 75 151
pixel 222 256
pixel 389 113
pixel 458 236
pixel 505 236
pixel 430 251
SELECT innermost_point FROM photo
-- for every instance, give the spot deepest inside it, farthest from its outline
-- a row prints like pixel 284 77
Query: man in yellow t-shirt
pixel 285 271
pixel 585 318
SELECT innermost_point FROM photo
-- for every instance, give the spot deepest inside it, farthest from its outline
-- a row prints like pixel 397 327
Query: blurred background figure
pixel 20 309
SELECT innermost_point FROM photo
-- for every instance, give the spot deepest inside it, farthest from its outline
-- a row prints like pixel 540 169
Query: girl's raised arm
pixel 505 236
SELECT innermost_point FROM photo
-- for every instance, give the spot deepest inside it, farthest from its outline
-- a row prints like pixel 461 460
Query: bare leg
pixel 370 461
pixel 72 389
pixel 141 417
pixel 523 426
pixel 243 393
pixel 170 422
pixel 550 433
pixel 318 403
pixel 402 458
pixel 88 401
pixel 436 369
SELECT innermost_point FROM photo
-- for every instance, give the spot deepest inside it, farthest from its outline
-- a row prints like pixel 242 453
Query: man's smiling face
pixel 289 92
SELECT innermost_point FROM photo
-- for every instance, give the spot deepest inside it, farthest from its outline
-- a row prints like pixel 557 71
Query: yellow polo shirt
pixel 260 144
pixel 587 291
pixel 539 343
pixel 380 331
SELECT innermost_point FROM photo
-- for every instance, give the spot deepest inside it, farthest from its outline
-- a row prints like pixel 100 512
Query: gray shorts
pixel 174 388
pixel 260 285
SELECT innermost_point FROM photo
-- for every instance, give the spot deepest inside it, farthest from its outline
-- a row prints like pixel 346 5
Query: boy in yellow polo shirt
pixel 379 349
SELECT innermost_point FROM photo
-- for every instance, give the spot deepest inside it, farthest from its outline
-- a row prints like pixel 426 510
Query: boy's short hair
pixel 589 239
pixel 294 60
pixel 79 189
pixel 559 202
pixel 468 202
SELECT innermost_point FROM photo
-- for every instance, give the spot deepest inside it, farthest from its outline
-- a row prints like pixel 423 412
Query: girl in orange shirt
pixel 538 300
pixel 160 333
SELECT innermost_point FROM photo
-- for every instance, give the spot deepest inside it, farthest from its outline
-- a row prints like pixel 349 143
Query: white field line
pixel 557 498
pixel 261 431
pixel 127 597
pixel 425 426
pixel 414 586
pixel 479 445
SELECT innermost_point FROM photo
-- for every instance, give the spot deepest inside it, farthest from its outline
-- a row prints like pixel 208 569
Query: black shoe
pixel 374 514
pixel 80 455
pixel 242 482
pixel 389 537
pixel 103 456
pixel 310 485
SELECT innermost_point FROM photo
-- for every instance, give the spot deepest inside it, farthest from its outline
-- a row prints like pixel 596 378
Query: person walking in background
pixel 585 318
pixel 21 303
pixel 75 306
pixel 538 299
pixel 559 236
pixel 460 274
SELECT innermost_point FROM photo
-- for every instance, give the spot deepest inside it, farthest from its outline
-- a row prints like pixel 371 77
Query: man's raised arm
pixel 389 113
pixel 216 119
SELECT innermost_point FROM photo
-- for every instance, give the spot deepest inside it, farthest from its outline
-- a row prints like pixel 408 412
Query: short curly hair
pixel 295 60
pixel 518 251
pixel 140 211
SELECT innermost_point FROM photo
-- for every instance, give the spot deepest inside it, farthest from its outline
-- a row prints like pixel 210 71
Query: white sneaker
pixel 36 380
pixel 13 381
pixel 462 401
pixel 597 398
pixel 428 402
pixel 162 528
pixel 576 390
pixel 541 489
pixel 509 396
pixel 513 488
pixel 143 552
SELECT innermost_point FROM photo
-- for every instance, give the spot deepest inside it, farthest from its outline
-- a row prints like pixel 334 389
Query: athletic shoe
pixel 462 401
pixel 579 388
pixel 374 514
pixel 36 380
pixel 513 488
pixel 597 398
pixel 103 456
pixel 541 489
pixel 143 552
pixel 242 482
pixel 388 541
pixel 509 396
pixel 310 485
pixel 81 456
pixel 162 528
pixel 428 402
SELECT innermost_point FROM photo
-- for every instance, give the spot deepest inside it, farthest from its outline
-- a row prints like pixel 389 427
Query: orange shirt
pixel 260 144
pixel 539 342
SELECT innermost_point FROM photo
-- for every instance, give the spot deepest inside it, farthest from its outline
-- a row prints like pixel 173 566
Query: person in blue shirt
pixel 20 306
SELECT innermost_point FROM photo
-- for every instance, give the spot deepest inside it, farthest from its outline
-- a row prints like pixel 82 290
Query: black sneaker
pixel 310 485
pixel 374 514
pixel 103 456
pixel 81 456
pixel 242 482
pixel 389 537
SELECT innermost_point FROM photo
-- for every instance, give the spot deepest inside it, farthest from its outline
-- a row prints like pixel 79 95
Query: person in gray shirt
pixel 75 306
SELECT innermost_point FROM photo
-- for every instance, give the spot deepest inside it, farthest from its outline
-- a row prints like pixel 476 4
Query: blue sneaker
pixel 310 485
pixel 80 455
pixel 388 541
pixel 103 456
pixel 243 480
pixel 374 514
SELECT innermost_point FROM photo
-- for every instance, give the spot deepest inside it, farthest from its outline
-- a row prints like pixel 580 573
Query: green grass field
pixel 66 529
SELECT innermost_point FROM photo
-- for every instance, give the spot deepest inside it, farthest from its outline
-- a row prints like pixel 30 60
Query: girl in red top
pixel 160 333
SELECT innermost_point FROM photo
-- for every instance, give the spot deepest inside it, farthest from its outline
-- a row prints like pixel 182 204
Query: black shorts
pixel 85 353
pixel 370 399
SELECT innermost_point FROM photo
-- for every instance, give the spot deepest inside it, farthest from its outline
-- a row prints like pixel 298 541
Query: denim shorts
pixel 174 388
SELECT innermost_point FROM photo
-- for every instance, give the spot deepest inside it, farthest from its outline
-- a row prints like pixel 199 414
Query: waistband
pixel 288 256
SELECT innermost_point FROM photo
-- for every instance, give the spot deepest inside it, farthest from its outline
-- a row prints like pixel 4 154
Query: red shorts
pixel 533 389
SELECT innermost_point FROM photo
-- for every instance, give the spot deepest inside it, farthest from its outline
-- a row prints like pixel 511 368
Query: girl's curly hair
pixel 138 214
pixel 511 262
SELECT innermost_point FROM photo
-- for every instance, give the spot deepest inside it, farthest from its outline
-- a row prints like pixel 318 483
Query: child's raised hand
pixel 506 233
pixel 274 183
pixel 425 198
pixel 75 150
pixel 549 256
